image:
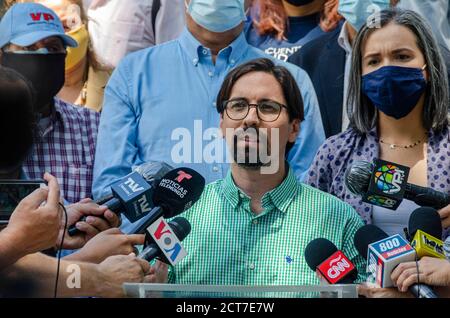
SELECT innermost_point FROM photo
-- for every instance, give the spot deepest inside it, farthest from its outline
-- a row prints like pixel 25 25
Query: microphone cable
pixel 60 248
pixel 417 269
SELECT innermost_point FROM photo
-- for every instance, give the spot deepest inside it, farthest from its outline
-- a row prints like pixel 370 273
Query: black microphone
pixel 425 232
pixel 176 192
pixel 132 193
pixel 180 227
pixel 365 241
pixel 385 184
pixel 330 264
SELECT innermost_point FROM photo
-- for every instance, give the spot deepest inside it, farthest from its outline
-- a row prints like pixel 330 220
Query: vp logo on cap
pixel 27 23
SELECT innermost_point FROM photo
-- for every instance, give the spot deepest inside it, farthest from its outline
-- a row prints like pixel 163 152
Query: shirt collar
pixel 55 117
pixel 280 197
pixel 196 51
pixel 343 39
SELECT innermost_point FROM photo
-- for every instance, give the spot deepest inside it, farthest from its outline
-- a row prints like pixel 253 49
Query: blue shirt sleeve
pixel 311 134
pixel 116 150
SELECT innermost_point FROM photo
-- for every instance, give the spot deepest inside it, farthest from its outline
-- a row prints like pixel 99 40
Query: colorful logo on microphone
pixel 389 179
pixel 167 241
pixel 182 175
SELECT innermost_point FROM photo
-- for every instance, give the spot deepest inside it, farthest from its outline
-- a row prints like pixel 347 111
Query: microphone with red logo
pixel 176 192
pixel 132 194
pixel 383 254
pixel 330 264
pixel 180 228
pixel 385 184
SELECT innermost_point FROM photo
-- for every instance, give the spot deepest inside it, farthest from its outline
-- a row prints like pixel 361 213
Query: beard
pixel 246 156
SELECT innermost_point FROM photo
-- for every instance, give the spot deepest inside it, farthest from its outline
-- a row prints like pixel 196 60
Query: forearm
pixel 10 249
pixel 82 256
pixel 75 278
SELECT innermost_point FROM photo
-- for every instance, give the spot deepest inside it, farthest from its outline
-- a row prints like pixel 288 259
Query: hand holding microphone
pixel 429 270
pixel 131 194
pixel 383 254
pixel 159 272
pixel 107 243
pixel 95 218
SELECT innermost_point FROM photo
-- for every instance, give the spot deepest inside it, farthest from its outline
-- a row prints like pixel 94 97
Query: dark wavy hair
pixel 291 92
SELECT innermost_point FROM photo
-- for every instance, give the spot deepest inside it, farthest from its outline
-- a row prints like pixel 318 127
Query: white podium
pixel 238 291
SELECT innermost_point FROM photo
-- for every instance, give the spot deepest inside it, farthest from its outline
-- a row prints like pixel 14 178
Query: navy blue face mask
pixel 394 90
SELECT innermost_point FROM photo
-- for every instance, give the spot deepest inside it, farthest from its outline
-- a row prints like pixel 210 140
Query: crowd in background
pixel 104 89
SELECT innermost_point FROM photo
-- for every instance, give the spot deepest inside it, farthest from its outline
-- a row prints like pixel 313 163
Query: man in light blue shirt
pixel 163 97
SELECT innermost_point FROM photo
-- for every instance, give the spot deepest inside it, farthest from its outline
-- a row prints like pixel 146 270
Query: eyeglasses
pixel 267 110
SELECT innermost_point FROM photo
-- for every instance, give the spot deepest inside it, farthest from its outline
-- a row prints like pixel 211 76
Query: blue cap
pixel 27 23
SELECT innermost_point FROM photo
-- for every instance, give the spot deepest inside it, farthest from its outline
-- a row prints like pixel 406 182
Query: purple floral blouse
pixel 338 152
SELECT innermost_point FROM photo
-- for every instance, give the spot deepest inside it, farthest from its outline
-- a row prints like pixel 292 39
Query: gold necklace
pixel 393 146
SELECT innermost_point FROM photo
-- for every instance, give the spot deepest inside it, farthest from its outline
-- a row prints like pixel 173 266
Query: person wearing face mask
pixel 281 27
pixel 398 101
pixel 33 42
pixel 155 94
pixel 71 13
pixel 327 60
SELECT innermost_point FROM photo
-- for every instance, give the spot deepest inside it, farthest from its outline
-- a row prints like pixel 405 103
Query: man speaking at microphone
pixel 252 227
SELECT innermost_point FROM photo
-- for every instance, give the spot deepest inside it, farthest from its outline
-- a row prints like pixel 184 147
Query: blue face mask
pixel 394 90
pixel 217 15
pixel 357 12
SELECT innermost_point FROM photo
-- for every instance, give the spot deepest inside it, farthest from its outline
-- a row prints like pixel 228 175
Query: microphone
pixel 180 228
pixel 132 193
pixel 425 228
pixel 385 184
pixel 176 192
pixel 383 254
pixel 330 264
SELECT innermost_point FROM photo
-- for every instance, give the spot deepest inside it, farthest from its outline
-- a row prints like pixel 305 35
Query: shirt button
pixel 251 266
pixel 215 168
pixel 214 104
pixel 195 61
pixel 210 74
pixel 241 195
pixel 232 62
pixel 255 222
pixel 205 51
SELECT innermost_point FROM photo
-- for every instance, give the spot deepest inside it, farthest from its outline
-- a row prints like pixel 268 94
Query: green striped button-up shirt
pixel 231 245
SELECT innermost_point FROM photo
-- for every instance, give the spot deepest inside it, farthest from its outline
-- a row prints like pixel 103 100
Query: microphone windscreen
pixel 357 177
pixel 181 227
pixel 367 235
pixel 178 190
pixel 427 220
pixel 317 251
pixel 153 171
